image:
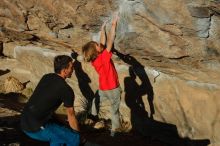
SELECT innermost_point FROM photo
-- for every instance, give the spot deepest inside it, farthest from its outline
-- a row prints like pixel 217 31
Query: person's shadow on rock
pixel 83 81
pixel 145 88
pixel 143 123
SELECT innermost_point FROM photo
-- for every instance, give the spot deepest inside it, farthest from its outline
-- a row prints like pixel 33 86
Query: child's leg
pixel 95 107
pixel 114 96
pixel 95 104
pixel 102 96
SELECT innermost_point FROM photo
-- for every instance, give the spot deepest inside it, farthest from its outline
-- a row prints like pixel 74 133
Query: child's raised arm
pixel 102 35
pixel 111 35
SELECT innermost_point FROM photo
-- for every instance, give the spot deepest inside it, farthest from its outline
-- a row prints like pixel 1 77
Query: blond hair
pixel 89 51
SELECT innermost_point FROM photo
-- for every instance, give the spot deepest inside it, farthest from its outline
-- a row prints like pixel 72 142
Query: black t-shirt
pixel 50 93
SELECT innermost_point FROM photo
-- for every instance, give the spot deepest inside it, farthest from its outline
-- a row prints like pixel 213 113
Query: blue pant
pixel 57 135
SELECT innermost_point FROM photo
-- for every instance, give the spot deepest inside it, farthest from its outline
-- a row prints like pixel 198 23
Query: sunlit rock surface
pixel 168 59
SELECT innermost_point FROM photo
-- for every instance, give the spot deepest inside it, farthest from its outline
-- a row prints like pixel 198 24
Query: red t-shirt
pixel 108 77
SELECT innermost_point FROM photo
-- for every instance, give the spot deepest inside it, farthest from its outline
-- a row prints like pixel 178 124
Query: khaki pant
pixel 113 96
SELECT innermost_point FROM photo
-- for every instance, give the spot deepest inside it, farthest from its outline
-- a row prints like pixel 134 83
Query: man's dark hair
pixel 61 62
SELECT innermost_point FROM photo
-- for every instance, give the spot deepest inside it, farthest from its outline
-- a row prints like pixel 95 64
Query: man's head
pixel 63 65
pixel 91 50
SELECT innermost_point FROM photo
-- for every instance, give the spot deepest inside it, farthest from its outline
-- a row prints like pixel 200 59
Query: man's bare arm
pixel 71 117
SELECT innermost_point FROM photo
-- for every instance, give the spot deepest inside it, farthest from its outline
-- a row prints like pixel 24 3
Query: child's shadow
pixel 83 80
pixel 141 121
pixel 145 88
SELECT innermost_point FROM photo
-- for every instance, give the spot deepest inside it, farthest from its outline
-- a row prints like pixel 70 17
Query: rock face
pixel 172 29
pixel 12 84
pixel 168 57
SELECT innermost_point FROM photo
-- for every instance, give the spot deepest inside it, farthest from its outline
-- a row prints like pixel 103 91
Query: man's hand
pixel 72 118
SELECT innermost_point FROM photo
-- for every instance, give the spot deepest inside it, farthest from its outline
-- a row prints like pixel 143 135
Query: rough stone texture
pixel 179 94
pixel 213 41
pixel 13 85
pixel 9 49
pixel 174 52
pixel 154 28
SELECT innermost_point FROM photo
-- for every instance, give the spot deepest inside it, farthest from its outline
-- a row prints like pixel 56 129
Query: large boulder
pixel 169 66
